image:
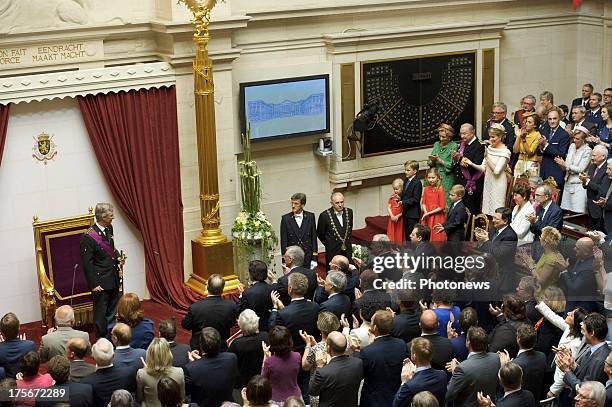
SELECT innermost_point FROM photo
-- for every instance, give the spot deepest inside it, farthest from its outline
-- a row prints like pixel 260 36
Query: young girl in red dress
pixel 433 204
pixel 395 227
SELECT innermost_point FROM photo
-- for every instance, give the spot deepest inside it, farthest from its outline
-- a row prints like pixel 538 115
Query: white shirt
pixel 339 217
pixel 299 217
pixel 102 228
pixel 546 209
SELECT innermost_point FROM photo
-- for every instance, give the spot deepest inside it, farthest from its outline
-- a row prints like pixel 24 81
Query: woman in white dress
pixel 521 210
pixel 577 160
pixel 494 166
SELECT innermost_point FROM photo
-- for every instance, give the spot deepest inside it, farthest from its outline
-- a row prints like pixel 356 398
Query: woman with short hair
pixel 281 365
pixel 158 366
pixel 577 160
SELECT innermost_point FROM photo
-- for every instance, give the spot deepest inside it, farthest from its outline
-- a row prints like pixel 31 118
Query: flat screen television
pixel 285 107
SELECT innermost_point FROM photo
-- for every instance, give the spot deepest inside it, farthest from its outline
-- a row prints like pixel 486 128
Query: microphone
pixel 74 269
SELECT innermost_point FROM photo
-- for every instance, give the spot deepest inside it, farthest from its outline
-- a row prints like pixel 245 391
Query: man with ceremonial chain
pixel 101 262
pixel 334 229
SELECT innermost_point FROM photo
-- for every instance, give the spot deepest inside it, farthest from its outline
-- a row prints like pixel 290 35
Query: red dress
pixel 432 199
pixel 395 230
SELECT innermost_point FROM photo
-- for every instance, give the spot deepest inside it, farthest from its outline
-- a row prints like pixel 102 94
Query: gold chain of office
pixel 335 230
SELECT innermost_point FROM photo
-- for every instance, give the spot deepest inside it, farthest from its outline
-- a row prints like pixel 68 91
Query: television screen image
pixel 286 107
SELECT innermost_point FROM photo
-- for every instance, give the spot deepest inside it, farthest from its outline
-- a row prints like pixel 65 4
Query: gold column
pixel 211 251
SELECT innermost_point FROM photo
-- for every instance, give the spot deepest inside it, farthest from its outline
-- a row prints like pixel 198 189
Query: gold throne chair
pixel 59 267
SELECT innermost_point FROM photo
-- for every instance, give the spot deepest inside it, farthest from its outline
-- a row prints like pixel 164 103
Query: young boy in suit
pixel 411 196
pixel 457 215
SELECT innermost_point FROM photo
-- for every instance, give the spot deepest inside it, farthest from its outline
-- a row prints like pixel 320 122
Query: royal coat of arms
pixel 44 149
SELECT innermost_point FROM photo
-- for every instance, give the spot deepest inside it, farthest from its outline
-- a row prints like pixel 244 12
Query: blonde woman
pixel 442 160
pixel 158 366
pixel 494 166
pixel 526 146
pixel 552 262
pixel 577 160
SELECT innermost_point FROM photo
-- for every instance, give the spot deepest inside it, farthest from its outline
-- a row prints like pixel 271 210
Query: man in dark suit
pixel 442 347
pixel 478 373
pixel 590 366
pixel 337 302
pixel 532 362
pixel 587 90
pixel 472 180
pixel 499 110
pixel 210 379
pixel 579 119
pixel 298 228
pixel 342 264
pixel 468 317
pixel 100 264
pixel 579 283
pixel 406 323
pixel 606 202
pixel 107 378
pixel 257 296
pixel 293 263
pixel 554 142
pixel 212 311
pixel 501 244
pixel 456 218
pixel 382 362
pixel 80 394
pixel 608 371
pixel 337 381
pixel 548 213
pixel 411 196
pixel 369 294
pixel 334 229
pixel 14 345
pixel 596 183
pixel 125 355
pixel 76 351
pixel 511 376
pixel 419 238
pixel 420 376
pixel 180 351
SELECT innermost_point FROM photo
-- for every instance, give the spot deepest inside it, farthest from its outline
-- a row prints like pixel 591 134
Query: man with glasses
pixel 548 213
pixel 527 106
pixel 498 115
pixel 590 394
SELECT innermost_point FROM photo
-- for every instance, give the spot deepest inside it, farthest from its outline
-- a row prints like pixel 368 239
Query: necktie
pixel 495 235
pixel 595 172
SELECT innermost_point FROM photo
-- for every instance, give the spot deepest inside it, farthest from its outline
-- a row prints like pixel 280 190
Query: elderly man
pixel 596 183
pixel 337 302
pixel 586 91
pixel 76 351
pixel 579 283
pixel 498 115
pixel 579 119
pixel 605 202
pixel 298 228
pixel 548 213
pixel 107 378
pixel 101 263
pixel 473 180
pixel 553 142
pixel 54 343
pixel 591 394
pixel 334 228
pixel 527 106
pixel 547 102
pixel 294 259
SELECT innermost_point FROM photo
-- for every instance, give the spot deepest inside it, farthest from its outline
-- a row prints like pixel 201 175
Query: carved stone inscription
pixel 50 54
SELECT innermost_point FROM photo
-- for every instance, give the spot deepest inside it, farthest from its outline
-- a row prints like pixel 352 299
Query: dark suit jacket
pixel 212 311
pixel 580 102
pixel 304 236
pixel 406 325
pixel 79 369
pixel 454 225
pixel 283 283
pixel 578 282
pixel 591 127
pixel 11 352
pixel 460 351
pixel 475 152
pixel 521 398
pixel 558 145
pixel 105 381
pixel 332 241
pixel 596 188
pixel 607 211
pixel 100 269
pixel 337 304
pixel 257 298
pixel 553 217
pixel 503 249
pixel 298 315
pixel 129 357
pixel 510 135
pixel 411 198
pixel 80 395
pixel 477 373
pixel 442 350
pixel 382 365
pixel 337 383
pixel 590 368
pixel 210 380
pixel 424 380
pixel 179 354
pixel 534 365
pixel 503 336
pixel 378 296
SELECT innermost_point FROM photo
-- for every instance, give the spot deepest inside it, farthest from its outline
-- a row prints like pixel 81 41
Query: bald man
pixel 442 347
pixel 335 227
pixel 54 343
pixel 579 283
pixel 76 351
pixel 337 382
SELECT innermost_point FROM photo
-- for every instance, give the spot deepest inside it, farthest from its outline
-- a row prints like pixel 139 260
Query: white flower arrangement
pixel 360 252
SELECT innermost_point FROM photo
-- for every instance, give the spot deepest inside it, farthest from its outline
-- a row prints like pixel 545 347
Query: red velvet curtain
pixel 135 139
pixel 4 115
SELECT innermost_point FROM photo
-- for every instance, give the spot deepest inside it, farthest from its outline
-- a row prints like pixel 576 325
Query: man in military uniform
pixel 334 229
pixel 298 228
pixel 101 263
